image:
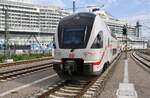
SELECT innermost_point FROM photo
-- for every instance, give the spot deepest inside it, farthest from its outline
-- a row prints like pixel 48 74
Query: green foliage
pixel 1 58
pixel 19 57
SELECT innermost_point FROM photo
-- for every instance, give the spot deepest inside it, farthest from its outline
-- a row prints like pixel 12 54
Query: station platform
pixel 139 77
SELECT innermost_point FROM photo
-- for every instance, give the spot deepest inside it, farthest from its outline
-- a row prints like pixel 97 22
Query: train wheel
pixel 105 67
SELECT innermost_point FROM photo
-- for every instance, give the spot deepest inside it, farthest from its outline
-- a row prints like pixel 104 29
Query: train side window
pixel 98 42
pixel 114 51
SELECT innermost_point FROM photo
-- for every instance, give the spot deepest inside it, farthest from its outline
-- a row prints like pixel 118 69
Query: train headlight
pixel 95 62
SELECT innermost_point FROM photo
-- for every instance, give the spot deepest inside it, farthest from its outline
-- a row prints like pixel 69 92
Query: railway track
pixel 78 88
pixel 145 51
pixel 142 60
pixel 19 72
pixel 68 89
pixel 144 56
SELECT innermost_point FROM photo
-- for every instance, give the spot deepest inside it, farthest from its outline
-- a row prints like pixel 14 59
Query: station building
pixel 116 25
pixel 137 43
pixel 29 23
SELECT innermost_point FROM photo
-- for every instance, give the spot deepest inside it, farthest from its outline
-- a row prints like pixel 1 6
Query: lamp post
pixel 6 48
pixel 74 7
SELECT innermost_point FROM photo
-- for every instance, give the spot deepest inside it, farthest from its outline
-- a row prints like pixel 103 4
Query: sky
pixel 118 8
pixel 131 10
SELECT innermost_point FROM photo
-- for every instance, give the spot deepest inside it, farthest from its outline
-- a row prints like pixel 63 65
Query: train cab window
pixel 73 37
pixel 98 42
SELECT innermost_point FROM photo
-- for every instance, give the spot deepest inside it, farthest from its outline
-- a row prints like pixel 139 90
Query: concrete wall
pixel 138 45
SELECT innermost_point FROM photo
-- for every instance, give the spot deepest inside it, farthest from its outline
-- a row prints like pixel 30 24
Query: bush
pixel 19 57
pixel 1 58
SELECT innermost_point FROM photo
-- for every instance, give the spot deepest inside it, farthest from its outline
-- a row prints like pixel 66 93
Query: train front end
pixel 72 55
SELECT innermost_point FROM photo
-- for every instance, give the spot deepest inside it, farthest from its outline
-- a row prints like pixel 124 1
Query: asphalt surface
pixel 140 78
pixel 8 89
pixel 137 75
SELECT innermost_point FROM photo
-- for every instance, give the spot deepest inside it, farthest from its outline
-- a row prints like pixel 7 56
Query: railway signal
pixel 124 33
pixel 124 29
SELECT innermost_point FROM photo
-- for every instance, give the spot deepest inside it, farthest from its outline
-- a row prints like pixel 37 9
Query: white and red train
pixel 84 45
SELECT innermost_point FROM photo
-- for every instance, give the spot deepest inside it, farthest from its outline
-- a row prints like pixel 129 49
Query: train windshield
pixel 73 36
pixel 74 31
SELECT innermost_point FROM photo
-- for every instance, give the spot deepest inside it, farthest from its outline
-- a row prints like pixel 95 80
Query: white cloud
pixel 95 2
pixel 79 3
pixel 144 20
pixel 139 17
pixel 107 3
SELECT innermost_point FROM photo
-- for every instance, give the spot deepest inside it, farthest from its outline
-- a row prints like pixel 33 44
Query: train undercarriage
pixel 75 67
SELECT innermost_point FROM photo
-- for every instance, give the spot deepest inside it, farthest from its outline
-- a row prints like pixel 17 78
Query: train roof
pixel 81 14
